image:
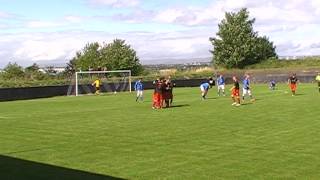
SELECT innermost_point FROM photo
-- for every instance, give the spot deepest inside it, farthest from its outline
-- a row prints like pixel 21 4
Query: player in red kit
pixel 157 95
pixel 293 81
pixel 235 92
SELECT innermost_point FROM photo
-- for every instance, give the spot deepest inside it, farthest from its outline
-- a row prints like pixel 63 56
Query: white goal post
pixel 100 72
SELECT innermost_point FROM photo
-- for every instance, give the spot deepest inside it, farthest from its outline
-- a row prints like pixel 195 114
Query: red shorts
pixel 235 92
pixel 157 100
pixel 293 87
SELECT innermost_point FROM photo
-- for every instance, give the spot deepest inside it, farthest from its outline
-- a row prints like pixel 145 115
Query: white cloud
pixel 63 46
pixel 4 26
pixel 293 26
pixel 42 24
pixel 265 11
pixel 41 50
pixel 4 15
pixel 74 19
pixel 169 15
pixel 62 22
pixel 47 46
pixel 115 3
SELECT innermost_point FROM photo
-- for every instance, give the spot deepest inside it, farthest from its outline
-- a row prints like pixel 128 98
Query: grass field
pixel 277 137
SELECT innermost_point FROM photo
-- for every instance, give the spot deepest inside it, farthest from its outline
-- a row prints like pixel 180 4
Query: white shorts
pixel 246 91
pixel 139 93
pixel 202 89
pixel 222 87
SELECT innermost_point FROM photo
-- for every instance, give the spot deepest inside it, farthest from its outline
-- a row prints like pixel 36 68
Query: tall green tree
pixel 120 56
pixel 237 45
pixel 13 71
pixel 114 56
pixel 89 57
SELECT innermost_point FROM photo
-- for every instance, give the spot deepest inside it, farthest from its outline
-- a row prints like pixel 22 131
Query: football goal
pixel 110 81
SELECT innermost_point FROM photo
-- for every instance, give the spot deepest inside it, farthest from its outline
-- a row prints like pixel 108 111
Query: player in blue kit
pixel 247 88
pixel 221 85
pixel 138 87
pixel 205 86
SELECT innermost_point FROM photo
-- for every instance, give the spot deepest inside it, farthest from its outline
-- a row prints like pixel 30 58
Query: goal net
pixel 110 81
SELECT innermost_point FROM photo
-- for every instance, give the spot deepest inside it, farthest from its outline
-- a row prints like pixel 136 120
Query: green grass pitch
pixel 276 137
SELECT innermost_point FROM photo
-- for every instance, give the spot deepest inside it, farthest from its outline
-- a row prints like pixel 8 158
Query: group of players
pixel 235 90
pixel 246 91
pixel 163 89
pixel 163 92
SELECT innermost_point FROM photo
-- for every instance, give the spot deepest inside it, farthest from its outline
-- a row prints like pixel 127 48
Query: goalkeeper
pixel 97 84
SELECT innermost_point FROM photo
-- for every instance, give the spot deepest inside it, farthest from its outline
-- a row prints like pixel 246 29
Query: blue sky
pixel 52 31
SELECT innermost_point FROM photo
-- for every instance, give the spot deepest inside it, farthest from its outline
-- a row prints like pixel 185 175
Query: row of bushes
pixel 266 67
pixel 32 83
pixel 22 82
pixel 287 64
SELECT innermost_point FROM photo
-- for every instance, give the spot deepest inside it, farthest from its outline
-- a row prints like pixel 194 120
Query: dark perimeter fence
pixel 11 94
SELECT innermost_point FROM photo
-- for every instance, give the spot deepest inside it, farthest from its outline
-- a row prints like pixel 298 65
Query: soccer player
pixel 97 84
pixel 272 85
pixel 318 80
pixel 167 93
pixel 204 87
pixel 139 89
pixel 157 95
pixel 221 85
pixel 172 85
pixel 211 81
pixel 246 90
pixel 235 92
pixel 293 81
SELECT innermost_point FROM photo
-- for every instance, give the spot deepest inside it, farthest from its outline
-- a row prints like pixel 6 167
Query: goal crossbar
pixel 102 72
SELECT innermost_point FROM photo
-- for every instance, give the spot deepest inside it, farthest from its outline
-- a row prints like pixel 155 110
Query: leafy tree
pixel 71 67
pixel 33 72
pixel 237 44
pixel 114 56
pixel 33 68
pixel 13 71
pixel 265 49
pixel 89 57
pixel 120 56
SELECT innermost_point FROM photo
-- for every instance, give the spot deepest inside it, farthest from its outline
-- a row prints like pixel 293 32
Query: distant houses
pixel 296 57
pixel 52 69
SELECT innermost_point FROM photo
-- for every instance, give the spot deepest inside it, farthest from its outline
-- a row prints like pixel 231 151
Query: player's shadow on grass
pixel 211 98
pixel 299 94
pixel 18 169
pixel 179 106
pixel 246 104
